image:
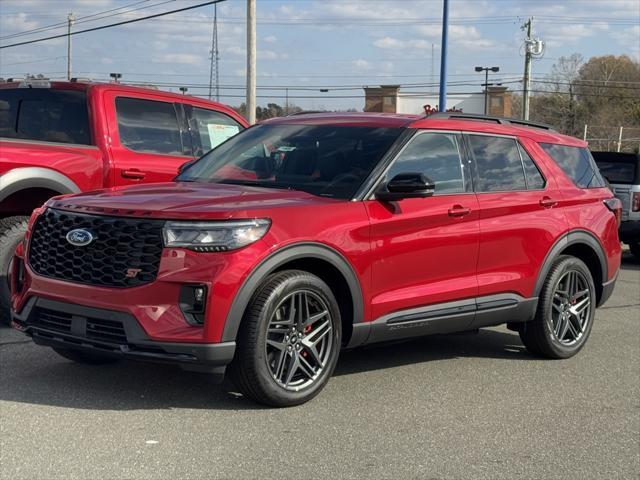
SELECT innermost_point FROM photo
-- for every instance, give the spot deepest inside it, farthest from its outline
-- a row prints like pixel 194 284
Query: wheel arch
pixel 583 245
pixel 318 259
pixel 36 183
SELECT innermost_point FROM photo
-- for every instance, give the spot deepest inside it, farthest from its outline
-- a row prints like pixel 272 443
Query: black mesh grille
pixel 121 248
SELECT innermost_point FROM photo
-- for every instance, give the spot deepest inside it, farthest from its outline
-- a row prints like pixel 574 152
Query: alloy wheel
pixel 571 307
pixel 299 340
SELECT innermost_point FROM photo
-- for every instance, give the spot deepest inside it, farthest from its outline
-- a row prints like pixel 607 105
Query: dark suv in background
pixel 308 234
pixel 622 170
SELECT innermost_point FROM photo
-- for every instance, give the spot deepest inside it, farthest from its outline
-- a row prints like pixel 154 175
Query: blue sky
pixel 308 45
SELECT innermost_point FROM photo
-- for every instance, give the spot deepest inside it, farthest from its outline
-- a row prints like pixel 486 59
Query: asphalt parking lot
pixel 457 406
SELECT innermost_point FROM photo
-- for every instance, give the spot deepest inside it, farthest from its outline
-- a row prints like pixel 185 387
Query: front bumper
pixel 629 231
pixel 118 334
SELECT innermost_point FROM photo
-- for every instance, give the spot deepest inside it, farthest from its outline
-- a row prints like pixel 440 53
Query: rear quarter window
pixel 577 163
pixel 46 115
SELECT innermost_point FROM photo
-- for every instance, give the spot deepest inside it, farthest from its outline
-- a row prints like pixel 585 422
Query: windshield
pixel 326 160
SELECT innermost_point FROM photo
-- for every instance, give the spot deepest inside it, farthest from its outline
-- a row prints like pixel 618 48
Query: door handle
pixel 548 202
pixel 133 174
pixel 459 211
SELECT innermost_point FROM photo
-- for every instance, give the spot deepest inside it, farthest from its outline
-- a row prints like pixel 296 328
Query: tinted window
pixel 45 115
pixel 617 172
pixel 437 156
pixel 498 163
pixel 210 128
pixel 577 163
pixel 535 180
pixel 148 126
pixel 326 160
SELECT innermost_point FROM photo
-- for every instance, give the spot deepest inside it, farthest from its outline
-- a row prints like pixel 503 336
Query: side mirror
pixel 185 165
pixel 406 185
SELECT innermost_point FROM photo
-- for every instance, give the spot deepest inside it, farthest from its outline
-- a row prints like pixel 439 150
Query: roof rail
pixel 304 112
pixel 488 118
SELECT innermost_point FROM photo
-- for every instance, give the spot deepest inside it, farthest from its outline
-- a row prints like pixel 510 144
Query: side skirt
pixel 449 317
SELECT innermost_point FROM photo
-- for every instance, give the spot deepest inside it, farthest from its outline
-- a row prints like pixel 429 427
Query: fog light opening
pixel 193 302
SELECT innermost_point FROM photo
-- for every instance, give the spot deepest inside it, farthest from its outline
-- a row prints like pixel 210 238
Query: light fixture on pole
pixel 184 90
pixel 115 77
pixel 486 71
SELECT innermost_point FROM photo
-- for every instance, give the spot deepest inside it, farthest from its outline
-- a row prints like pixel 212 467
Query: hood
pixel 182 200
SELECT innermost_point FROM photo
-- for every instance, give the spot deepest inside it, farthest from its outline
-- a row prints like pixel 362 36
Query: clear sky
pixel 308 45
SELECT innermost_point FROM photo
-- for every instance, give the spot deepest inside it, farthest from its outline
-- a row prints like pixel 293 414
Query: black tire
pixel 635 250
pixel 86 358
pixel 12 230
pixel 253 364
pixel 539 335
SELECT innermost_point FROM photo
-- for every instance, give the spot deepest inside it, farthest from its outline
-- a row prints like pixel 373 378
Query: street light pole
pixel 443 57
pixel 486 84
pixel 251 61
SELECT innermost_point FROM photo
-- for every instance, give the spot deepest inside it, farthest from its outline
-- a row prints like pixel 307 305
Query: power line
pixel 124 22
pixel 81 19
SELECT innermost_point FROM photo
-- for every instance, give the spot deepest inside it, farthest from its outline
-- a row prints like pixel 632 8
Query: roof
pixel 355 119
pixel 389 120
pixel 132 89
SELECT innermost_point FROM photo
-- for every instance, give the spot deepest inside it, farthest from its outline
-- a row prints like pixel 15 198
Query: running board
pixel 450 317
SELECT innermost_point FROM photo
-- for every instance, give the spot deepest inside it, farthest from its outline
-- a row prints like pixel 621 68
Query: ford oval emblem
pixel 79 237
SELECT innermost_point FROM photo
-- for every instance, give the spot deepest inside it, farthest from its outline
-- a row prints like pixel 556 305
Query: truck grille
pixel 125 252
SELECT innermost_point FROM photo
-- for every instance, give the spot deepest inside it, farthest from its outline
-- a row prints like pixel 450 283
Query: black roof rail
pixel 488 118
pixel 305 112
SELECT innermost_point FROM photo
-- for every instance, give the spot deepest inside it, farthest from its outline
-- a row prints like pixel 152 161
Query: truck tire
pixel 12 230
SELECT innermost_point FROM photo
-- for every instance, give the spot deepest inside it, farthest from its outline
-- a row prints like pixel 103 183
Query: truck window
pixel 148 126
pixel 46 115
pixel 210 128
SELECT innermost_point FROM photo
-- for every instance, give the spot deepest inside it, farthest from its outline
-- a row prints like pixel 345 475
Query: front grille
pixel 125 252
pixel 52 320
pixel 108 330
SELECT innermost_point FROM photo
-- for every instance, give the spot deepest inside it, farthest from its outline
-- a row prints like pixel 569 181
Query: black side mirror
pixel 185 165
pixel 406 185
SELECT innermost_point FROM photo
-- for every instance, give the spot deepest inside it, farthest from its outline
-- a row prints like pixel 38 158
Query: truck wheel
pixel 12 230
pixel 566 310
pixel 635 250
pixel 87 358
pixel 289 340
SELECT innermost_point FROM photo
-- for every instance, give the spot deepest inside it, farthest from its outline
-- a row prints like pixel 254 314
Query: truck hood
pixel 182 200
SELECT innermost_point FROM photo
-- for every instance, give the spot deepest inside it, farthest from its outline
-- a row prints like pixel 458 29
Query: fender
pixel 571 238
pixel 279 258
pixel 35 177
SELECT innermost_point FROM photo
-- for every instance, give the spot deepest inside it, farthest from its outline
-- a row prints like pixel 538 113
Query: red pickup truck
pixel 70 137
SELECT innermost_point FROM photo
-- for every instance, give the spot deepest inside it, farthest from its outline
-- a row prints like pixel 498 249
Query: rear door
pixel 425 250
pixel 149 139
pixel 519 221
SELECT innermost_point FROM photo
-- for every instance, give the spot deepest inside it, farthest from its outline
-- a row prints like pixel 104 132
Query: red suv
pixel 307 234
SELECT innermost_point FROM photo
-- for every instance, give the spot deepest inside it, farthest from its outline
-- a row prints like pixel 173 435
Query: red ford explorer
pixel 308 234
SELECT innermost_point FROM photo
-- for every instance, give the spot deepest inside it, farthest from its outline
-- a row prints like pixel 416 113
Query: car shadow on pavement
pixel 39 376
pixel 484 344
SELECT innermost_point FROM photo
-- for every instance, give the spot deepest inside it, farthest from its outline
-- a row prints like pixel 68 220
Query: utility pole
pixel 251 61
pixel 70 20
pixel 443 57
pixel 527 71
pixel 215 56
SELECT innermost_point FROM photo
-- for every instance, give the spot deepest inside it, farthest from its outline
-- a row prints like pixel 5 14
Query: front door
pixel 425 250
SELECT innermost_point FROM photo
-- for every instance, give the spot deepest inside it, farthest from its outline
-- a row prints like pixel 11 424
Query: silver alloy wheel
pixel 571 307
pixel 299 340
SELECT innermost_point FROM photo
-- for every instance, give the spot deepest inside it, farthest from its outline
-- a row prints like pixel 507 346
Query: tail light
pixel 635 202
pixel 615 205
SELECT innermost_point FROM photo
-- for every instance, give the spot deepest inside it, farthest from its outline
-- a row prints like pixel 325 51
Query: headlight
pixel 214 236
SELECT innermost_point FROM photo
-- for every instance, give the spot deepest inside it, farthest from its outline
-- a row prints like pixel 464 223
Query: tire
pixel 86 358
pixel 282 360
pixel 563 322
pixel 635 250
pixel 12 230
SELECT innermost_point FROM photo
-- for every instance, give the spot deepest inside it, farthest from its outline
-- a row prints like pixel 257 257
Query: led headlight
pixel 214 236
